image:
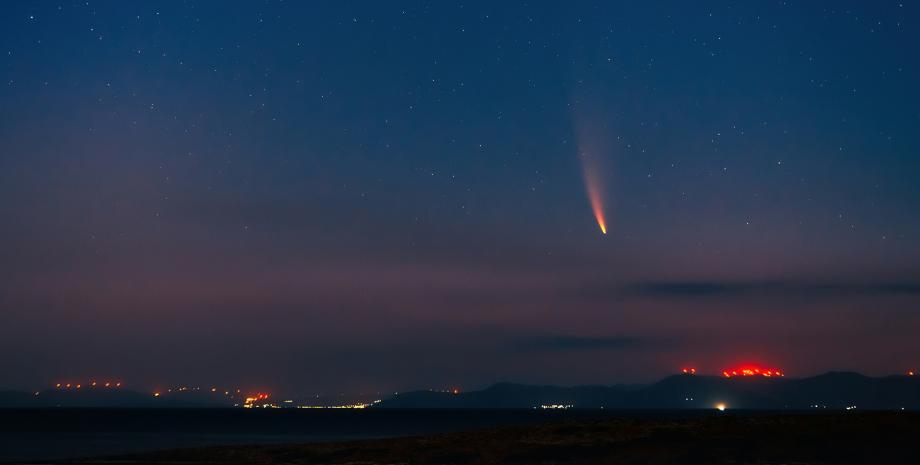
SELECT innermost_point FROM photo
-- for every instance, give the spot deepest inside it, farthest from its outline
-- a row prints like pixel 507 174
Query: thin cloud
pixel 704 289
pixel 587 343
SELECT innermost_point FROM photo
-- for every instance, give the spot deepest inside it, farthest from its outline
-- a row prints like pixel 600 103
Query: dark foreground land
pixel 842 438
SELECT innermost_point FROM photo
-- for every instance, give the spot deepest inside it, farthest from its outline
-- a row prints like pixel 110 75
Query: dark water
pixel 27 434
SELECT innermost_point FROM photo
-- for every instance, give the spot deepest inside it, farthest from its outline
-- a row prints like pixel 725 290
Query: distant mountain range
pixel 835 390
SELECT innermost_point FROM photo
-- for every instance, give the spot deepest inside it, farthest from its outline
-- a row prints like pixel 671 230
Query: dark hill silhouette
pixel 14 399
pixel 509 395
pixel 835 390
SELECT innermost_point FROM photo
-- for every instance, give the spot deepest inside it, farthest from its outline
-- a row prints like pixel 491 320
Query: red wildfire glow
pixel 257 397
pixel 750 370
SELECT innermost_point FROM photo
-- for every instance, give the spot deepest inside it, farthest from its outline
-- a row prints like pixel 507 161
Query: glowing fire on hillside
pixel 748 370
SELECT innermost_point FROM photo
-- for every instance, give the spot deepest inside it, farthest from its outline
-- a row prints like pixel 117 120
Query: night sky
pixel 374 196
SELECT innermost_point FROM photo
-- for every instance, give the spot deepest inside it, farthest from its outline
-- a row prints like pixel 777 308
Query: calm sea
pixel 49 434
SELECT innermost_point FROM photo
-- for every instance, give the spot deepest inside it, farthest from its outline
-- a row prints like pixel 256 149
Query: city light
pixel 556 406
pixel 721 407
pixel 345 406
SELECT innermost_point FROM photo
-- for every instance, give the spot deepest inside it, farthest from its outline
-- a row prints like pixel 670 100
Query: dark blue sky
pixel 378 195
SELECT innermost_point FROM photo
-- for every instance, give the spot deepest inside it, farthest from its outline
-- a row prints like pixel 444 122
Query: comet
pixel 592 139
